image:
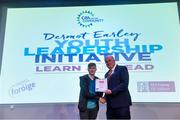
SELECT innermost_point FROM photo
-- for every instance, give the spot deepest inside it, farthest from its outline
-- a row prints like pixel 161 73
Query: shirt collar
pixel 91 77
pixel 113 68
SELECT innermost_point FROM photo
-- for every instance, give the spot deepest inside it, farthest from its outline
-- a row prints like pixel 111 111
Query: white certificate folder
pixel 101 85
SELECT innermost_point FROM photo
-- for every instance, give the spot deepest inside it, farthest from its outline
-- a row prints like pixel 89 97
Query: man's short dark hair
pixel 91 65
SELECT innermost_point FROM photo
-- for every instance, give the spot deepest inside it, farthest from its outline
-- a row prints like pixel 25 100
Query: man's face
pixel 110 62
pixel 92 70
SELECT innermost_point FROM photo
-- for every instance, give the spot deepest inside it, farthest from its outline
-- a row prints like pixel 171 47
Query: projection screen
pixel 47 49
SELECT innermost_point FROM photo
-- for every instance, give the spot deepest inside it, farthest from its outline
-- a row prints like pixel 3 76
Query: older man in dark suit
pixel 117 96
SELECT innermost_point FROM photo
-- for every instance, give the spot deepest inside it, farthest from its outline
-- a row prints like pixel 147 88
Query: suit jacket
pixel 85 94
pixel 118 84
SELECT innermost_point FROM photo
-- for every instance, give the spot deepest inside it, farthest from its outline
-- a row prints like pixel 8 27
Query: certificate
pixel 101 85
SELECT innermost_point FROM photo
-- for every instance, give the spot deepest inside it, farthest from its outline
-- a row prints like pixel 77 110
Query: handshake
pixel 102 100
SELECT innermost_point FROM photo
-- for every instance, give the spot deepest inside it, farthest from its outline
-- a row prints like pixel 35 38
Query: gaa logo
pixel 87 18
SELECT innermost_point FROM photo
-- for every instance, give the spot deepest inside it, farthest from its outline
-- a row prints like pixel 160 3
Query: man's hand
pixel 108 92
pixel 102 100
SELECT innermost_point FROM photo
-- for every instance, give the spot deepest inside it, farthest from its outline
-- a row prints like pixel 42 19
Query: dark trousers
pixel 118 113
pixel 89 113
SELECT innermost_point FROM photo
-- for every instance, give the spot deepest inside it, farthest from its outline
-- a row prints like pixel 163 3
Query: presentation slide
pixel 47 49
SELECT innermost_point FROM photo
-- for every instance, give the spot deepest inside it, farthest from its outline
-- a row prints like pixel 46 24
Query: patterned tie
pixel 109 74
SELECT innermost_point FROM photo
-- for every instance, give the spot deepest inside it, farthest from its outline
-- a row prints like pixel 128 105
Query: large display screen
pixel 47 49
